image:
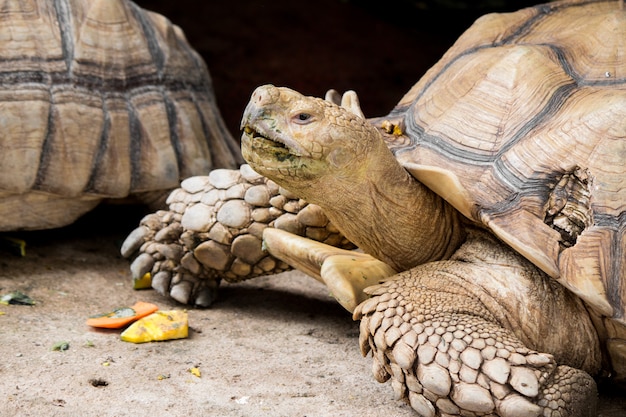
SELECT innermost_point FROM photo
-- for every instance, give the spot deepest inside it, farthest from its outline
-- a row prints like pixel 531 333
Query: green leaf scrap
pixel 17 298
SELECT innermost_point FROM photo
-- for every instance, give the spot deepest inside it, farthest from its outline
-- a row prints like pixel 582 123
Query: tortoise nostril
pixel 259 97
pixel 265 95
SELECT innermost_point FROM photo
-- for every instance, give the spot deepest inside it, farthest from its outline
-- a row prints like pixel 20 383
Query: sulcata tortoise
pixel 99 99
pixel 489 205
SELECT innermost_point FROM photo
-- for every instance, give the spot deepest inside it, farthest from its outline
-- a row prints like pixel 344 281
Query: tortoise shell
pixel 98 99
pixel 522 127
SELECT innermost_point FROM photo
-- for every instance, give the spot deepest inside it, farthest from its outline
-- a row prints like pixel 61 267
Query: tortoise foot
pixel 213 230
pixel 444 356
pixel 169 260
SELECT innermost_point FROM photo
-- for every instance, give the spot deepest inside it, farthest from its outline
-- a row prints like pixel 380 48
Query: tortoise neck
pixel 390 215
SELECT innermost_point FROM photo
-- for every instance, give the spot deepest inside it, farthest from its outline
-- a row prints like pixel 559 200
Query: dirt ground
pixel 275 346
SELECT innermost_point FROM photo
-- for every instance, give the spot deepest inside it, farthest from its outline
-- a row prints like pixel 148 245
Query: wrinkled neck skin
pixel 386 212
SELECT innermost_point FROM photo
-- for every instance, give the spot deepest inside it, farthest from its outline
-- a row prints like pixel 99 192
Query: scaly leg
pixel 463 337
pixel 213 230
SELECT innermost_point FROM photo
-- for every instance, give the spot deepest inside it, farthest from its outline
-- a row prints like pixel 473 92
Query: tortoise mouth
pixel 259 149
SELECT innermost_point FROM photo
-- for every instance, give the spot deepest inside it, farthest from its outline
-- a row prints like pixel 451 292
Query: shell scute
pixel 66 163
pixel 110 45
pixel 100 99
pixel 25 117
pixel 520 102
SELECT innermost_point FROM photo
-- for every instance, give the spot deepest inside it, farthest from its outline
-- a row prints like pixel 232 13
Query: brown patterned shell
pixel 522 127
pixel 98 98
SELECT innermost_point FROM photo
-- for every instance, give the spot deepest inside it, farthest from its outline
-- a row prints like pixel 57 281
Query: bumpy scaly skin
pixel 213 230
pixel 440 341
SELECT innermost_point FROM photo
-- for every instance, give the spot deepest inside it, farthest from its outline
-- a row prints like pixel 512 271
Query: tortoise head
pixel 300 141
pixel 330 156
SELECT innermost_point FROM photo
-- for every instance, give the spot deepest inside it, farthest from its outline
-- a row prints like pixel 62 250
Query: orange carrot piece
pixel 120 317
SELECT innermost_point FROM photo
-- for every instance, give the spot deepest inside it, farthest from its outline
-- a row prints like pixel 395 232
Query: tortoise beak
pixel 262 98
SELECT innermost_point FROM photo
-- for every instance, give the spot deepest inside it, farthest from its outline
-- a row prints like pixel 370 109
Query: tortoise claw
pixel 161 282
pixel 206 295
pixel 141 265
pixel 133 242
pixel 349 101
pixel 333 96
pixel 182 292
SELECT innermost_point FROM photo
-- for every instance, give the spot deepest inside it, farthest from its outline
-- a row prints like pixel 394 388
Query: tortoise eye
pixel 302 118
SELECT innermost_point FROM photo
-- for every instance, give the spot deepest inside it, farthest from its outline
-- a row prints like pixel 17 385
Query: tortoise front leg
pixel 346 273
pixel 455 339
pixel 213 230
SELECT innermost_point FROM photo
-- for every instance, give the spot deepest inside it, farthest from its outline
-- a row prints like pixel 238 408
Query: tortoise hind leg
pixel 453 346
pixel 495 375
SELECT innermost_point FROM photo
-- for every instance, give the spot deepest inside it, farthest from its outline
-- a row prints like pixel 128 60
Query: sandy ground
pixel 274 346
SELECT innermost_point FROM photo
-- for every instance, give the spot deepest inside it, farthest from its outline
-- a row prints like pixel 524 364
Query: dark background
pixel 377 48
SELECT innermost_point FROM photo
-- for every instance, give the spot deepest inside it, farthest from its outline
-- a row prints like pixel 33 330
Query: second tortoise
pixel 100 99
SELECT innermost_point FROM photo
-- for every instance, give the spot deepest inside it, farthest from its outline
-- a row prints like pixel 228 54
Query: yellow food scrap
pixel 144 282
pixel 18 246
pixel 195 371
pixel 162 325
